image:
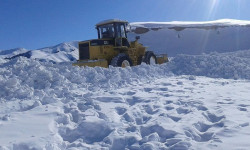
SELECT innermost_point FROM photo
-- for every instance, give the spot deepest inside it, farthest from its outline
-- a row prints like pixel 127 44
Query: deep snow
pixel 193 102
pixel 47 105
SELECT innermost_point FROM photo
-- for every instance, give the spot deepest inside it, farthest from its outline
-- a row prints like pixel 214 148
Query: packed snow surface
pixel 192 102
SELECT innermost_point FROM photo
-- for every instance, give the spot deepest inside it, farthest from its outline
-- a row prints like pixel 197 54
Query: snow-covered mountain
pixel 12 52
pixel 60 53
pixel 63 52
pixel 192 102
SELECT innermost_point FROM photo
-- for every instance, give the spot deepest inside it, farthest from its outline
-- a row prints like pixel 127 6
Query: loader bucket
pixel 163 58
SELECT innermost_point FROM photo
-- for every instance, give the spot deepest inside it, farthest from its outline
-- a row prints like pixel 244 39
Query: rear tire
pixel 121 60
pixel 150 58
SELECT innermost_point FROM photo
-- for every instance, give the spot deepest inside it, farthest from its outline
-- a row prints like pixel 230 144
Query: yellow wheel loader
pixel 113 48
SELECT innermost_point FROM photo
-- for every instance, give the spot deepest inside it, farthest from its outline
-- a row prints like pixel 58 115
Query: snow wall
pixel 193 38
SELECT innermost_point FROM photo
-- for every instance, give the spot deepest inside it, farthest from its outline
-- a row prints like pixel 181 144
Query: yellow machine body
pixel 102 51
pixel 163 58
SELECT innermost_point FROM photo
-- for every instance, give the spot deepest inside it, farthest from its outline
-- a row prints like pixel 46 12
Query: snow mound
pixel 30 78
pixel 48 105
pixel 227 65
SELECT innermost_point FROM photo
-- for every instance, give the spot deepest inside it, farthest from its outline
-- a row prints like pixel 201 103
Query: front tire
pixel 121 60
pixel 150 58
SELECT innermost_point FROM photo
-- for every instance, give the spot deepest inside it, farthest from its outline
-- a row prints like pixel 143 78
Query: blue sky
pixel 35 24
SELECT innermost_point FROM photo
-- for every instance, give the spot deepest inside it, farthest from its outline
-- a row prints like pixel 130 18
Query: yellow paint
pixel 136 51
pixel 162 59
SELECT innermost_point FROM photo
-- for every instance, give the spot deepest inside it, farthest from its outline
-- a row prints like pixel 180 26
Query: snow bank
pixel 193 38
pixel 228 65
pixel 221 22
pixel 30 78
pixel 41 83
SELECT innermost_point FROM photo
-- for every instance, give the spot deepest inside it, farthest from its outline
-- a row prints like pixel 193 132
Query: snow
pixel 227 65
pixel 178 105
pixel 193 38
pixel 221 22
pixel 63 52
pixel 28 126
pixel 12 52
pixel 193 102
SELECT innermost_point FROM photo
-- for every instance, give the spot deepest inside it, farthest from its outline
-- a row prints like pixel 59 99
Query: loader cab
pixel 115 30
pixel 106 31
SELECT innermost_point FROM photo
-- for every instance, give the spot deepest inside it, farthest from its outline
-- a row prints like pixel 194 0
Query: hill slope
pixel 63 52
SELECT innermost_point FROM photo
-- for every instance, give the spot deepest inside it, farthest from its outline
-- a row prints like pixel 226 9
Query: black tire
pixel 148 56
pixel 139 60
pixel 120 59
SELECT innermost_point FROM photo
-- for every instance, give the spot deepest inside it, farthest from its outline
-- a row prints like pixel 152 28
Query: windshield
pixel 106 31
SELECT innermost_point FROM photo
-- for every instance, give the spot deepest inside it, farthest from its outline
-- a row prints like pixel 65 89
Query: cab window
pixel 107 31
pixel 123 34
pixel 120 28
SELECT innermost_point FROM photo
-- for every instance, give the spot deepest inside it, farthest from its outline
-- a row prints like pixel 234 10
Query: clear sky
pixel 35 24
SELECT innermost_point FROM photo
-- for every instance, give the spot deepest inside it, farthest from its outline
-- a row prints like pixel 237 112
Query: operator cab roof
pixel 110 21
